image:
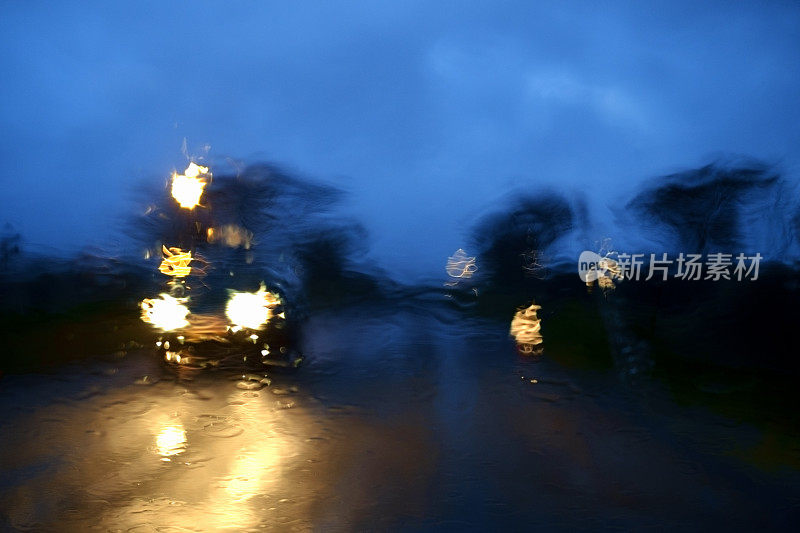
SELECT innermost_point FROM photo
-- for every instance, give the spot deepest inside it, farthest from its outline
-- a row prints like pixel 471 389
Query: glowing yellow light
pixel 187 188
pixel 176 357
pixel 176 262
pixel 460 265
pixel 167 313
pixel 526 329
pixel 171 440
pixel 251 309
pixel 230 235
pixel 606 283
pixel 606 273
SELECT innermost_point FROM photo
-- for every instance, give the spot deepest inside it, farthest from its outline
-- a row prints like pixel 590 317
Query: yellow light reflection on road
pixel 255 473
pixel 171 440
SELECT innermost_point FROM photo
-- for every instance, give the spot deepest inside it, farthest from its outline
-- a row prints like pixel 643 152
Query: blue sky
pixel 428 113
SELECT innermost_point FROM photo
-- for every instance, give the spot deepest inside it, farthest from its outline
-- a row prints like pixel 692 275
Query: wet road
pixel 401 420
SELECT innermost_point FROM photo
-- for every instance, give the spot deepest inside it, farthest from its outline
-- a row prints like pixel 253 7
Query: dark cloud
pixel 425 113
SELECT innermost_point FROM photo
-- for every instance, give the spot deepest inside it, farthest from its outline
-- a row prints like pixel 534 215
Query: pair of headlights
pixel 250 310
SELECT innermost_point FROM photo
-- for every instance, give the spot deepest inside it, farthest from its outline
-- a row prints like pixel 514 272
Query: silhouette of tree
pixel 265 225
pixel 708 209
pixel 9 245
pixel 507 241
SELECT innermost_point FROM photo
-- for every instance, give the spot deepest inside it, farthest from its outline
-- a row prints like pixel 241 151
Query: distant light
pixel 526 329
pixel 460 265
pixel 167 313
pixel 187 188
pixel 230 235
